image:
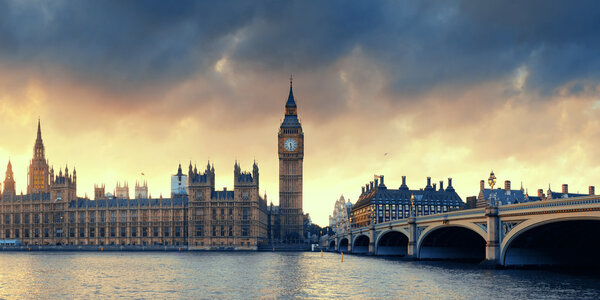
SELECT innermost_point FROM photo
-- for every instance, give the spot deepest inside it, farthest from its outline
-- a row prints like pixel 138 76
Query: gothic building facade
pixel 200 217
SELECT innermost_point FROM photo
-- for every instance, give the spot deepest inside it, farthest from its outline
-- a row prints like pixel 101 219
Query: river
pixel 233 275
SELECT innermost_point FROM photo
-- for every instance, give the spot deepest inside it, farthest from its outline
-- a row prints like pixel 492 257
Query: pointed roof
pixel 290 101
pixel 9 167
pixel 39 132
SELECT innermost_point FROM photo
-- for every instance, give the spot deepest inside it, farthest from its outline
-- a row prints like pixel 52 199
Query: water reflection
pixel 271 275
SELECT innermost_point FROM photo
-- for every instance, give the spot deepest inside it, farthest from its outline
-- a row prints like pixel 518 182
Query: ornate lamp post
pixel 412 206
pixel 492 182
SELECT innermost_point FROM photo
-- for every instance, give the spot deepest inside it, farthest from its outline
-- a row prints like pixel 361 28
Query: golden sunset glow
pixel 388 111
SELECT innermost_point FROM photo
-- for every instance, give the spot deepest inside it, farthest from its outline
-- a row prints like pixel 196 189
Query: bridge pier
pixel 492 249
pixel 372 248
pixel 412 238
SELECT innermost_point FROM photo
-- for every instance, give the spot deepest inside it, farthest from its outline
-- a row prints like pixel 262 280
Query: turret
pixel 9 181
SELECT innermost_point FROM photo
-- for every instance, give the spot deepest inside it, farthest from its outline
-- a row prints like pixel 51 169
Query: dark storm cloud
pixel 418 44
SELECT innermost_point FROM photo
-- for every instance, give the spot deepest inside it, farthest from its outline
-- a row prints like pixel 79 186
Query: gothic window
pixel 166 232
pixel 199 230
pixel 177 231
pixel 245 231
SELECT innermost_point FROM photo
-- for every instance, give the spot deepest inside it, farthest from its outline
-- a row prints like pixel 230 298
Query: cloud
pixel 448 90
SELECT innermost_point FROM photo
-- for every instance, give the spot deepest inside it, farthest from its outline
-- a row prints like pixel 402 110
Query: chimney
pixel 434 186
pixel 403 180
pixel 381 180
pixel 565 189
pixel 441 185
pixel 376 182
pixel 363 189
pixel 449 182
pixel 428 181
pixel 367 187
pixel 507 185
pixel 371 185
pixel 481 185
pixel 541 193
pixel 592 190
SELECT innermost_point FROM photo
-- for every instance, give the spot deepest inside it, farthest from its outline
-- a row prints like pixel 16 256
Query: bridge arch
pixel 361 244
pixel 392 242
pixel 464 241
pixel 343 246
pixel 548 240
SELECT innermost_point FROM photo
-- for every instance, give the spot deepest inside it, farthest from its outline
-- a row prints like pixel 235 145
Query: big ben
pixel 291 155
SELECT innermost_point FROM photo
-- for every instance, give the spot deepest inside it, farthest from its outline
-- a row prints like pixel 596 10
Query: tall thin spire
pixel 290 102
pixel 39 131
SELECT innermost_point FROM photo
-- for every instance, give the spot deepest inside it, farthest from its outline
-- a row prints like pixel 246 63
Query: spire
pixel 290 101
pixel 39 132
pixel 9 167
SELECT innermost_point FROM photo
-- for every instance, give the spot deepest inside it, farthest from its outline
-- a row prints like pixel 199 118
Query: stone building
pixel 207 219
pixel 378 204
pixel 507 195
pixel 286 221
pixel 339 221
pixel 226 219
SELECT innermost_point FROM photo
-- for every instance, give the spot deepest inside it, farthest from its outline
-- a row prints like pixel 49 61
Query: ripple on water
pixel 271 275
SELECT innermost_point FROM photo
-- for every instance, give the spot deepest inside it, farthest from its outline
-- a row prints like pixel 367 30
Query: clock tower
pixel 291 154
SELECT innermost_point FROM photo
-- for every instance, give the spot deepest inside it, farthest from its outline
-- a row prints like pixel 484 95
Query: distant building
pixel 339 220
pixel 378 204
pixel 506 195
pixel 179 183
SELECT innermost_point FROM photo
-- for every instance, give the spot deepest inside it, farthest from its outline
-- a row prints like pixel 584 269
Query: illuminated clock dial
pixel 290 144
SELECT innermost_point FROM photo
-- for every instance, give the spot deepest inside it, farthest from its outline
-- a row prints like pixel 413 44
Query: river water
pixel 230 275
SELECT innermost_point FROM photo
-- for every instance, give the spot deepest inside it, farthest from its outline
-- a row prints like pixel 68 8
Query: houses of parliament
pixel 196 216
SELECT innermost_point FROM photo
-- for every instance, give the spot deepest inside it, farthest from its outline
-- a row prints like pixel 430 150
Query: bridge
pixel 551 232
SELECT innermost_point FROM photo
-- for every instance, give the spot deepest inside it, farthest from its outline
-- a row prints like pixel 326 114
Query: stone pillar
pixel 372 248
pixel 492 250
pixel 349 250
pixel 412 238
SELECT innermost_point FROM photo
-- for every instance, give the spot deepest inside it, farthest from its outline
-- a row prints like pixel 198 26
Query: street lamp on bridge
pixel 492 182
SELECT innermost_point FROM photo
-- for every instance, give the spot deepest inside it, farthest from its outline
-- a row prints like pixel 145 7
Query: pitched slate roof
pixel 427 196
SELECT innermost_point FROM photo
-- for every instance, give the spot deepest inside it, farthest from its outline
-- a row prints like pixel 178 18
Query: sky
pixel 428 88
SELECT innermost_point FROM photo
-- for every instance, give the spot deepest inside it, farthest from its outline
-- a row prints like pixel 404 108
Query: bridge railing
pixel 545 204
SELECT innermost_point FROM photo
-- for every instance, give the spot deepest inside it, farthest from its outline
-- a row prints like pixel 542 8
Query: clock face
pixel 290 144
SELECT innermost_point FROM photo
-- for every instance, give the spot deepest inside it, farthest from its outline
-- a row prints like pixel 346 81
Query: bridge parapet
pixel 498 226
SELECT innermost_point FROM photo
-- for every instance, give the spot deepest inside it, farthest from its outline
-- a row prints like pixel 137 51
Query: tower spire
pixel 39 131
